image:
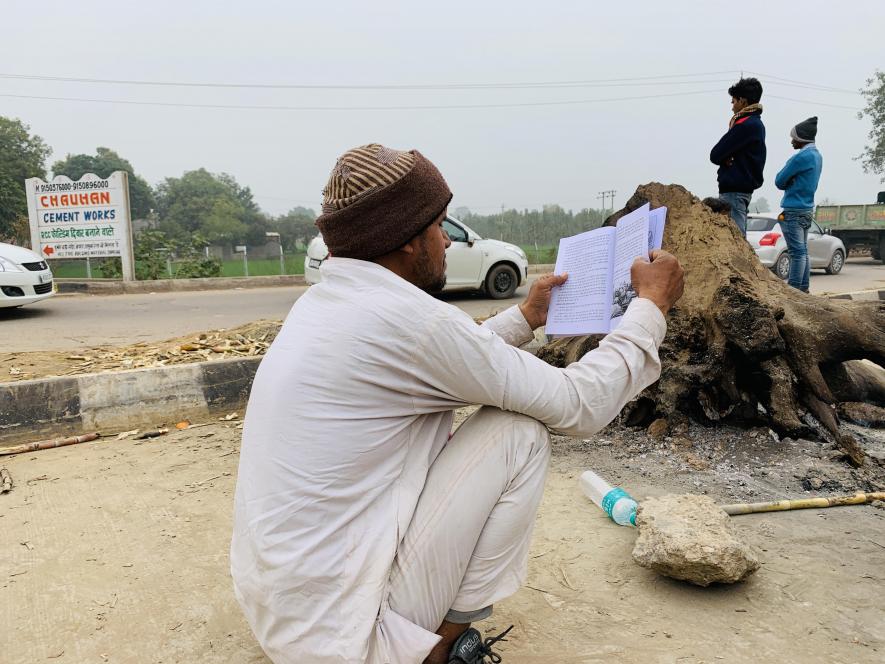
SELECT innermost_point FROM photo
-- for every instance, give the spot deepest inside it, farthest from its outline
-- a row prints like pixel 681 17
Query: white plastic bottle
pixel 617 503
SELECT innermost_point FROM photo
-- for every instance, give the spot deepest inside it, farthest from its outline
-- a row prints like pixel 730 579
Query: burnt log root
pixel 742 346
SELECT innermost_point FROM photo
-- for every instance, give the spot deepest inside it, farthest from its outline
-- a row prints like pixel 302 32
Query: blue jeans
pixel 739 203
pixel 795 225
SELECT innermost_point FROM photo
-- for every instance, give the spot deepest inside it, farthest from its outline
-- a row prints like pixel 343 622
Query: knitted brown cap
pixel 377 199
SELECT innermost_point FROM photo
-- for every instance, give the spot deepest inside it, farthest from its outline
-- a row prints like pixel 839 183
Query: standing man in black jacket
pixel 740 154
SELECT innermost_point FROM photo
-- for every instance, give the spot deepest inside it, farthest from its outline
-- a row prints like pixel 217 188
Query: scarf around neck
pixel 746 110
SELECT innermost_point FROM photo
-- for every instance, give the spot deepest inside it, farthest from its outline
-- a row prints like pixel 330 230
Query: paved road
pixel 70 322
pixel 862 273
pixel 74 321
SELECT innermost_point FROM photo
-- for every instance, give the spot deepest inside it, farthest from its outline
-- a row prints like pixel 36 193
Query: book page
pixel 656 219
pixel 582 305
pixel 631 242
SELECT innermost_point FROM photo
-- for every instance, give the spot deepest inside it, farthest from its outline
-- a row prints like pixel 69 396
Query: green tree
pixel 153 247
pixel 222 221
pixel 527 227
pixel 296 227
pixel 214 205
pixel 873 156
pixel 760 205
pixel 588 219
pixel 22 156
pixel 461 212
pixel 104 162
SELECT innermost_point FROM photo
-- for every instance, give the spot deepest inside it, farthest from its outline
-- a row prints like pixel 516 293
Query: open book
pixel 598 289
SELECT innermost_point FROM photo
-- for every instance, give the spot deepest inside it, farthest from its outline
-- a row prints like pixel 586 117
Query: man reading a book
pixel 365 530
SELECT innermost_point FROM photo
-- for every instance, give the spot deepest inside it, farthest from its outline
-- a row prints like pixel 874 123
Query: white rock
pixel 689 537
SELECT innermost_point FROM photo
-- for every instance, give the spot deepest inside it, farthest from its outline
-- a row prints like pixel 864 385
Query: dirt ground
pixel 117 551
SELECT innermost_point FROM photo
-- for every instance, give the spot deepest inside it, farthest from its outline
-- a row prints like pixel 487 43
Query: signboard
pixel 87 218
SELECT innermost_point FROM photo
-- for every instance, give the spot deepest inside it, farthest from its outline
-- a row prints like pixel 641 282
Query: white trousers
pixel 467 544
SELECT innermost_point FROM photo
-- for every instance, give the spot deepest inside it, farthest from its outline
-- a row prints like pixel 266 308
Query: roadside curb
pixel 46 407
pixel 116 287
pixel 136 398
pixel 860 295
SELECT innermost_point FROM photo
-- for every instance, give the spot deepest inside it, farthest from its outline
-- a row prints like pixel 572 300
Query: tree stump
pixel 742 346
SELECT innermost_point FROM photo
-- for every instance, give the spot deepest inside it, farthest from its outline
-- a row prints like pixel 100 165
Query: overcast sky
pixel 520 147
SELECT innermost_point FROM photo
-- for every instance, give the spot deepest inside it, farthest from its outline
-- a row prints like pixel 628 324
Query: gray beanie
pixel 805 131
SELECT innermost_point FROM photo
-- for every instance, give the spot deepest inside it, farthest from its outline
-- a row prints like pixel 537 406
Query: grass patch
pixel 72 269
pixel 76 269
pixel 263 267
pixel 543 255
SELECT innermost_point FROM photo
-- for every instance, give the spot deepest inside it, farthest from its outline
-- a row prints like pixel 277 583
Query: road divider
pixel 117 287
pixel 120 400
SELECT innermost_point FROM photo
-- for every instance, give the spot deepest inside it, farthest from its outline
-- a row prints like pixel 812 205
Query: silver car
pixel 766 237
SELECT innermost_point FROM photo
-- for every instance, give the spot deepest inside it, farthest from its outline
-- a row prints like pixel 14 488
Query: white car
pixel 766 237
pixel 24 276
pixel 472 263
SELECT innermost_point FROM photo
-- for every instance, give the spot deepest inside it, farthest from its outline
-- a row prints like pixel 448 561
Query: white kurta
pixel 349 408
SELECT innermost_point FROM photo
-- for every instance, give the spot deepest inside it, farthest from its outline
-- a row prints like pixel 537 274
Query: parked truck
pixel 858 226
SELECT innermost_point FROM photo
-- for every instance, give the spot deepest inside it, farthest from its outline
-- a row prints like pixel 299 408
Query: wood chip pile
pixel 248 340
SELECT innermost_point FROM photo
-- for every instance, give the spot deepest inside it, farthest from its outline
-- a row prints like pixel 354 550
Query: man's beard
pixel 429 277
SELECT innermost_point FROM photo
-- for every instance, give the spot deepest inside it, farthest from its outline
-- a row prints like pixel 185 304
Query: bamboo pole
pixel 48 444
pixel 802 503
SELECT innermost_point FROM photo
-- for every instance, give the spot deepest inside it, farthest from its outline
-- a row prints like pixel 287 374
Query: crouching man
pixel 364 530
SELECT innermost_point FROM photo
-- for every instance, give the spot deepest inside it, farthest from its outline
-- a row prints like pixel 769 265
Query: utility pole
pixel 610 193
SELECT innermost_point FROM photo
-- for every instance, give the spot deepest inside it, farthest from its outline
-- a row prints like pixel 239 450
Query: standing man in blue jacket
pixel 798 179
pixel 740 153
